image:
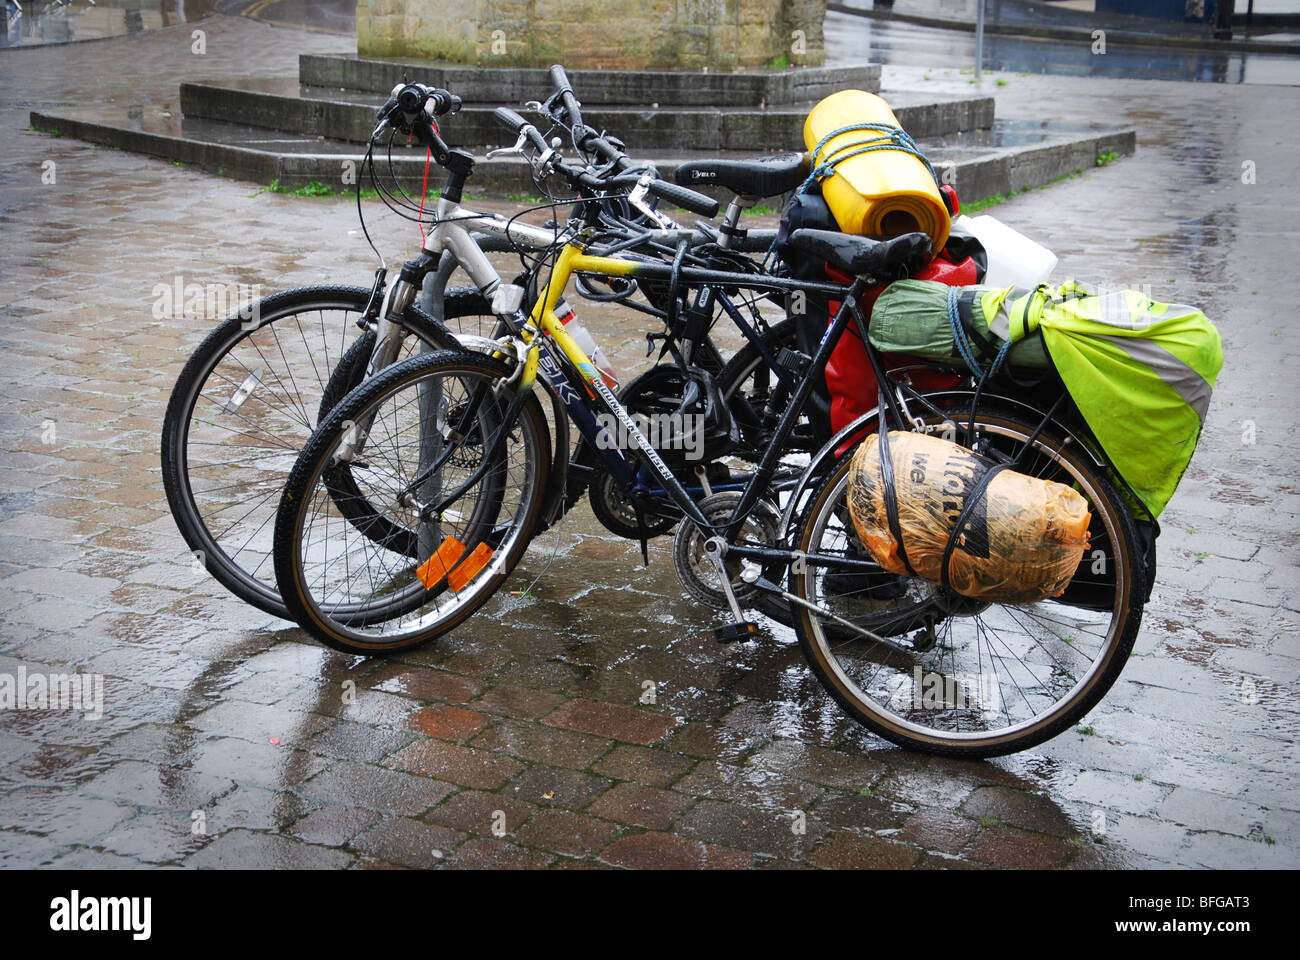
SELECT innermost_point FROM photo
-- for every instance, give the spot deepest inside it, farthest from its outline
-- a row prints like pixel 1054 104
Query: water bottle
pixel 584 339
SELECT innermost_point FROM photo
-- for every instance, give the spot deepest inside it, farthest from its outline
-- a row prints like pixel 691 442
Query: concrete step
pixel 1009 156
pixel 683 88
pixel 349 114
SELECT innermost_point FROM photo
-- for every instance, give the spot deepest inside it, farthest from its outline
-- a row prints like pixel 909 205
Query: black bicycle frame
pixel 617 461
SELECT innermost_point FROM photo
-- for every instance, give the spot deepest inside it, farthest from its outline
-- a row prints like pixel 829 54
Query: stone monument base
pixel 720 35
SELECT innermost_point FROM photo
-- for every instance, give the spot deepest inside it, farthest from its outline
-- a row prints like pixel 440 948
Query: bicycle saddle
pixel 864 256
pixel 762 177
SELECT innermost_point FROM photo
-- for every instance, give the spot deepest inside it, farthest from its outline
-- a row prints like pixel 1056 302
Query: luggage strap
pixel 972 501
pixel 887 483
pixel 962 340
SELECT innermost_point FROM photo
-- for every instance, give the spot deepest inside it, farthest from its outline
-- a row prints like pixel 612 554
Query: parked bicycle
pixel 419 491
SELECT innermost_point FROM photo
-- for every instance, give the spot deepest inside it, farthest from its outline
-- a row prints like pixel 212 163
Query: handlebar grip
pixel 444 102
pixel 517 124
pixel 598 144
pixel 688 199
pixel 565 89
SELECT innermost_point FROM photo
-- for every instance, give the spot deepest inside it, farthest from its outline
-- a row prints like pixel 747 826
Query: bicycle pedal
pixel 733 632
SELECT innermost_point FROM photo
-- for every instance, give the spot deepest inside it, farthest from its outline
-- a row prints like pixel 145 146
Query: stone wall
pixel 628 35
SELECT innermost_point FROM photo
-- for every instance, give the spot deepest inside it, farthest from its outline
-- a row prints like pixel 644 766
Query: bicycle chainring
pixel 694 569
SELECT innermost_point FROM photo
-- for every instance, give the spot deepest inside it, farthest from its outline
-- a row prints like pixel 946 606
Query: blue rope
pixel 959 334
pixel 963 342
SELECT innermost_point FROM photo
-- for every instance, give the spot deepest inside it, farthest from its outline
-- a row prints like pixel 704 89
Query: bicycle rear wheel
pixel 450 460
pixel 977 679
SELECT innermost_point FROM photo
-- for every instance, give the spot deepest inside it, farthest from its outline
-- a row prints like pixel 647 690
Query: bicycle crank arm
pixel 740 629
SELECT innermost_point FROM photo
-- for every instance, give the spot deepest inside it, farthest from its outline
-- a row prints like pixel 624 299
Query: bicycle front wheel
pixel 246 403
pixel 437 449
pixel 959 677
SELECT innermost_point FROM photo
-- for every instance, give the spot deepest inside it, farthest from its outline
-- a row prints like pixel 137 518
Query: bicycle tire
pixel 238 574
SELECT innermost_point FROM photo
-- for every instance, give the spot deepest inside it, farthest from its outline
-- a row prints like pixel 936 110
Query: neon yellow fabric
pixel 1140 371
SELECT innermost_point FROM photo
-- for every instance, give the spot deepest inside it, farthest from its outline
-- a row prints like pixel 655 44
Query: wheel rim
pixel 232 464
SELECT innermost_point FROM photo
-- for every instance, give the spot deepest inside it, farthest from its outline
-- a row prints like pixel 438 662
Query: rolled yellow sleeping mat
pixel 881 193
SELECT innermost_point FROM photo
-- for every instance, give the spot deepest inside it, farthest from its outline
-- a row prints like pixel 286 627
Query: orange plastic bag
pixel 1022 544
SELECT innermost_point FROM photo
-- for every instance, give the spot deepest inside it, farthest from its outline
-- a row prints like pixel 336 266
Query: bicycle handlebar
pixel 570 101
pixel 518 125
pixel 683 197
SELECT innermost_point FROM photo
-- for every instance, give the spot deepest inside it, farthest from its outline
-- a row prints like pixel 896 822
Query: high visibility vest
pixel 1141 372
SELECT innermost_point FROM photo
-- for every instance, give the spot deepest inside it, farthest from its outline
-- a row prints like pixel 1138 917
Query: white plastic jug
pixel 1013 257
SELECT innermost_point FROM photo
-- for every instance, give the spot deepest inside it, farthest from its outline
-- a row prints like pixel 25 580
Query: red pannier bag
pixel 849 376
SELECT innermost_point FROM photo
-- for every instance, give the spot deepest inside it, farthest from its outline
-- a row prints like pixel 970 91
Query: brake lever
pixel 637 199
pixel 516 150
pixel 544 162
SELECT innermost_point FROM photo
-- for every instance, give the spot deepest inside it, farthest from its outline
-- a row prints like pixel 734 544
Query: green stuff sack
pixel 916 317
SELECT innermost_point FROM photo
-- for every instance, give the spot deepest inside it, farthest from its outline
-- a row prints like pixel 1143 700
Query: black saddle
pixel 864 256
pixel 762 177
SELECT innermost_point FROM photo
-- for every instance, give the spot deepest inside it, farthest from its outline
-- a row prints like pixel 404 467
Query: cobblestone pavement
pixel 529 719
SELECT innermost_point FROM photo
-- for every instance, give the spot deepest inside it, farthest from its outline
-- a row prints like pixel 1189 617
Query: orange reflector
pixel 437 566
pixel 468 570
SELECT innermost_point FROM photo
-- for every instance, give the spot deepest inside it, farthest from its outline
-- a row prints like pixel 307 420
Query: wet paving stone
pixel 572 834
pixel 168 787
pixel 765 831
pixel 409 843
pixel 1003 846
pixel 655 768
pixel 24 851
pixel 749 784
pixel 155 838
pixel 861 812
pixel 489 854
pixel 507 700
pixel 60 815
pixel 554 787
pixel 640 806
pixel 253 850
pixel 333 826
pixel 345 740
pixel 666 851
pixel 544 744
pixel 1018 808
pixel 378 788
pixel 447 723
pixel 850 851
pixel 476 812
pixel 454 764
pixel 256 808
pixel 621 723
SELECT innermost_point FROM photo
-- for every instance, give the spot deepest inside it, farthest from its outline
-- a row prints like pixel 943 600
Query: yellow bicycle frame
pixel 571 260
